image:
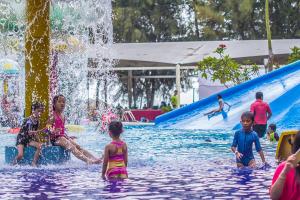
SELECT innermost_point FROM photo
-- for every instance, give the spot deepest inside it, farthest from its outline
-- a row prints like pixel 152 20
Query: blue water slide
pixel 280 87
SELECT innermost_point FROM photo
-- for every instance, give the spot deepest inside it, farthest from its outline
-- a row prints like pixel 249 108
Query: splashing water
pixel 81 40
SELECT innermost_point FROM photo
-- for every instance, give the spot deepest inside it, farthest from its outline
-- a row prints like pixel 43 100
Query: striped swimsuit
pixel 116 164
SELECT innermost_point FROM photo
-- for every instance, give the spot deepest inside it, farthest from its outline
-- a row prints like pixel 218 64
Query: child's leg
pixel 38 147
pixel 239 165
pixel 85 152
pixel 65 143
pixel 252 163
pixel 20 148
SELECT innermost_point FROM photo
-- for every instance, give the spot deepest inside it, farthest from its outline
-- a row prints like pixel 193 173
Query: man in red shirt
pixel 262 113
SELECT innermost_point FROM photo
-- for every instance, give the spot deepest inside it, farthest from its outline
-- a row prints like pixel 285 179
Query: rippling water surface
pixel 163 164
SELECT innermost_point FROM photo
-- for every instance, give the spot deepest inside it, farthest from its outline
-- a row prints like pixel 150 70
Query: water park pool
pixel 163 164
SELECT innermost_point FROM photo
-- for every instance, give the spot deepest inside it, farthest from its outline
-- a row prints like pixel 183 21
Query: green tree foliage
pixel 295 55
pixel 147 21
pixel 225 69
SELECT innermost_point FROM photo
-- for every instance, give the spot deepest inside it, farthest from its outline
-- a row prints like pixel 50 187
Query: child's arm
pixel 105 161
pixel 259 149
pixel 234 146
pixel 236 153
pixel 262 156
pixel 227 104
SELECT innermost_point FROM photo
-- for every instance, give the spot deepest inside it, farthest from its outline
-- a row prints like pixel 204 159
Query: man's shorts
pixel 260 129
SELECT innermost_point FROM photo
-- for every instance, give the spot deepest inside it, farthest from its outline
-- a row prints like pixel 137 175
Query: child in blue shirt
pixel 243 142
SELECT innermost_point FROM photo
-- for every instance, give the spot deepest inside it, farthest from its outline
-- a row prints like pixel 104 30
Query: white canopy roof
pixel 189 53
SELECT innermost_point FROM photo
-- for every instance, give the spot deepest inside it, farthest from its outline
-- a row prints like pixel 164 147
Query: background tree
pixel 270 51
pixel 225 69
pixel 295 55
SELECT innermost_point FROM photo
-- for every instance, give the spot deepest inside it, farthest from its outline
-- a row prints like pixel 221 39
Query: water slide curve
pixel 281 90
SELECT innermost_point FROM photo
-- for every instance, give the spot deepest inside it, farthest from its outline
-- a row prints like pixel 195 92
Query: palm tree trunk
pixel 271 56
pixel 194 5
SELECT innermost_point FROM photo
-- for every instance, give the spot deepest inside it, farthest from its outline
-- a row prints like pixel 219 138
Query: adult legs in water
pixel 83 151
pixel 65 143
pixel 38 147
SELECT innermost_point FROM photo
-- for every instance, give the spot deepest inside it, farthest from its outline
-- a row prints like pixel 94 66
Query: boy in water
pixel 271 134
pixel 243 142
pixel 26 136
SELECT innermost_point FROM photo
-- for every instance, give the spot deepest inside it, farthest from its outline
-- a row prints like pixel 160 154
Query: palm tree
pixel 271 56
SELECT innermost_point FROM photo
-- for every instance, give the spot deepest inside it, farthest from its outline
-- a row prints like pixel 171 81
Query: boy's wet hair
pixel 272 127
pixel 248 115
pixel 37 105
pixel 259 95
pixel 116 128
pixel 219 96
pixel 55 99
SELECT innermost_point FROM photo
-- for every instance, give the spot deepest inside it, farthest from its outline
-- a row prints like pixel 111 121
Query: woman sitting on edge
pixel 58 136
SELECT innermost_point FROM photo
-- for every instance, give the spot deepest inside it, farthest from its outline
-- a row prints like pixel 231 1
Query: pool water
pixel 163 164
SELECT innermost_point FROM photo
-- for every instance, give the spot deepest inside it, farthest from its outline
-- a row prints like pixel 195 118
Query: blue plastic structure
pixel 280 88
pixel 49 155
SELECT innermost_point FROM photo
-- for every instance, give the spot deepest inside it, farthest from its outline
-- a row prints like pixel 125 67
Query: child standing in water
pixel 243 141
pixel 115 154
pixel 27 133
pixel 59 137
pixel 271 133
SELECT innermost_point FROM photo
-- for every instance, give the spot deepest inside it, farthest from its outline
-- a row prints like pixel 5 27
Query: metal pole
pixel 37 55
pixel 129 88
pixel 193 95
pixel 178 84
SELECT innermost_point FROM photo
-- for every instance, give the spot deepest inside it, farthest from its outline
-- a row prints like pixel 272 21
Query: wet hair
pixel 259 95
pixel 116 128
pixel 219 96
pixel 295 148
pixel 248 115
pixel 272 127
pixel 55 99
pixel 36 105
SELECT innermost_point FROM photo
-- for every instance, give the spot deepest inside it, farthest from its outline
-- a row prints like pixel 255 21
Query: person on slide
pixel 220 109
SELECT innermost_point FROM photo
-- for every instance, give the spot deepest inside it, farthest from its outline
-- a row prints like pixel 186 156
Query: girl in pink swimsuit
pixel 58 134
pixel 115 154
